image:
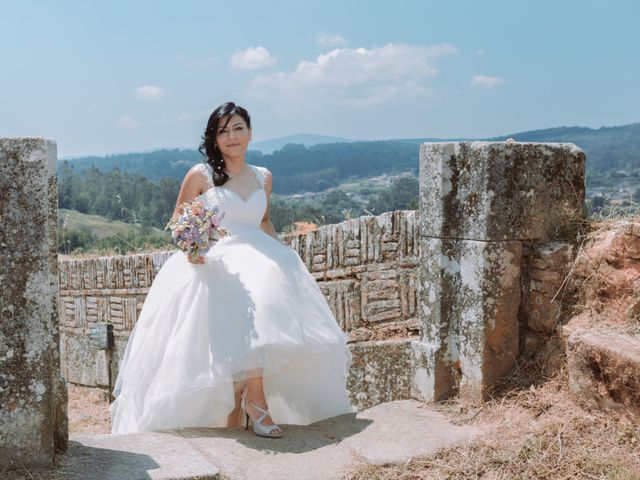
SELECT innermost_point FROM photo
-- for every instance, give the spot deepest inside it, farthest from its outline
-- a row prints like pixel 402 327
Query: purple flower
pixel 197 228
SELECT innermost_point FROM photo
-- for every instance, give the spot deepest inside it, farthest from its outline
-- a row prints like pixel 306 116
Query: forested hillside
pixel 135 200
pixel 321 184
pixel 607 148
pixel 296 168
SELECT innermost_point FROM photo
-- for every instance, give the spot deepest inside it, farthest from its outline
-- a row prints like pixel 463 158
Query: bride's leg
pixel 255 395
pixel 233 419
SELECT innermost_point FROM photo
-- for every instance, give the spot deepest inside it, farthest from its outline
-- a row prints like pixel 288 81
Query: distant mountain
pixel 328 160
pixel 154 165
pixel 307 139
pixel 607 148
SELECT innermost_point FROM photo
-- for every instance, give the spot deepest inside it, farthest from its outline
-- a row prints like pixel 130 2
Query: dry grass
pixel 59 472
pixel 535 433
pixel 113 252
pixel 605 277
pixel 20 472
pixel 302 227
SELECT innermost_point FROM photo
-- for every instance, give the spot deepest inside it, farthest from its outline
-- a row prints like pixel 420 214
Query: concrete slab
pixel 390 432
pixel 403 429
pixel 162 455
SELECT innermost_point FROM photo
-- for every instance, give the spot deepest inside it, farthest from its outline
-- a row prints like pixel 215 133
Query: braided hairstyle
pixel 208 147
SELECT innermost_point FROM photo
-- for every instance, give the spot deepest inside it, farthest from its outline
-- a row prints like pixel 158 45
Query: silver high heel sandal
pixel 258 428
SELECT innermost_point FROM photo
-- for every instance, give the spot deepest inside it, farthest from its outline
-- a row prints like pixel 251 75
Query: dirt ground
pixel 88 410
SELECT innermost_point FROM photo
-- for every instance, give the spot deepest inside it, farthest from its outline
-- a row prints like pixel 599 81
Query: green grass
pixel 101 227
pixel 79 233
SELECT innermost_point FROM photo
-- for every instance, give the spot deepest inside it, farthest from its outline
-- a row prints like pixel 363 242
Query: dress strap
pixel 206 171
pixel 260 173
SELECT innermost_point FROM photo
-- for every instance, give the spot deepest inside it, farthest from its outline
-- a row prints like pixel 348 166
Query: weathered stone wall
pixel 32 394
pixel 491 217
pixel 366 267
pixel 547 301
pixel 97 291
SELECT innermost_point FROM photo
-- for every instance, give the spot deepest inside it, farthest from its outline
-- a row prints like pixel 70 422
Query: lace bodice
pixel 240 213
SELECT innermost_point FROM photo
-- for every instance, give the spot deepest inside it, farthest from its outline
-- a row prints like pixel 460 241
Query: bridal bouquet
pixel 197 228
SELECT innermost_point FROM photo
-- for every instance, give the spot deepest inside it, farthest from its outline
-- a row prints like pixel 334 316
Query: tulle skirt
pixel 252 309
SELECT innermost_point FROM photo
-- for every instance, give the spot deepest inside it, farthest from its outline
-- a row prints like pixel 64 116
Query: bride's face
pixel 233 139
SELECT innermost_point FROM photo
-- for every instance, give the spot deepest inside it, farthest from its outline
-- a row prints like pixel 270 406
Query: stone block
pixel 423 357
pixel 604 369
pixel 469 295
pixel 343 297
pixel 542 313
pixel 501 190
pixel 546 297
pixel 32 423
pixel 381 371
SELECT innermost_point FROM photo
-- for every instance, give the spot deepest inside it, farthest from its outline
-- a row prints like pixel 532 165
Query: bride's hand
pixel 198 261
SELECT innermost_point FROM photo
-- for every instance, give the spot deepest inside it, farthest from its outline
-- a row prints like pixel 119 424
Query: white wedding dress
pixel 251 309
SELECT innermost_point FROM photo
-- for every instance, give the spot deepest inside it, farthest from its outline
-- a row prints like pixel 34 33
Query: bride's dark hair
pixel 208 147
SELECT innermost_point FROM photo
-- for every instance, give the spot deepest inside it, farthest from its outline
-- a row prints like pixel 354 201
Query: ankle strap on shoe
pixel 260 409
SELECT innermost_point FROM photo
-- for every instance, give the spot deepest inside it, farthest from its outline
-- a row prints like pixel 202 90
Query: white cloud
pixel 252 58
pixel 485 82
pixel 149 92
pixel 128 121
pixel 328 40
pixel 355 77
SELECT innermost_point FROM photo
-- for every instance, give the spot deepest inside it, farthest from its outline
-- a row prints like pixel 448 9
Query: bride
pixel 243 329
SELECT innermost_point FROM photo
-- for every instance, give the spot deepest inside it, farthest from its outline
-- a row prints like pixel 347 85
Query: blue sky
pixel 105 77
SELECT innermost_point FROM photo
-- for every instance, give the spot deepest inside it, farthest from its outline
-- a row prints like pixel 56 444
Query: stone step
pixel 390 432
pixel 604 369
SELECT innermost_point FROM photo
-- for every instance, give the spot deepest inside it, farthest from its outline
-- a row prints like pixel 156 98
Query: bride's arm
pixel 192 186
pixel 266 223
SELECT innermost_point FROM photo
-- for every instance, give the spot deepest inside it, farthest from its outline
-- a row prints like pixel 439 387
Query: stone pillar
pixel 479 202
pixel 33 421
